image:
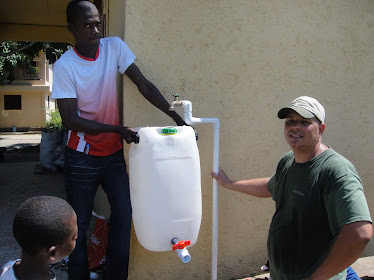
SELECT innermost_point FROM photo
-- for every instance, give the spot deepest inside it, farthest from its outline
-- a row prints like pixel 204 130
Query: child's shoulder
pixel 8 272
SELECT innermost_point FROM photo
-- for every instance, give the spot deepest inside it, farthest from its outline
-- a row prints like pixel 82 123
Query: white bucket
pixel 165 186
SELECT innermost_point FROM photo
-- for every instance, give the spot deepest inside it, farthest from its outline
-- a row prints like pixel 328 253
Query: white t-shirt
pixel 94 83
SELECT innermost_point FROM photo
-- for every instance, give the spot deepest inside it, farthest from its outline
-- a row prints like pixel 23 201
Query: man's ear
pixel 52 254
pixel 322 127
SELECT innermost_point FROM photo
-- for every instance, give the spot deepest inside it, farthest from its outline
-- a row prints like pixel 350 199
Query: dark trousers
pixel 83 174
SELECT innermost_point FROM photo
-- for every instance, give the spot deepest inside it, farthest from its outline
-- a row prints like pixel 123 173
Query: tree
pixel 20 54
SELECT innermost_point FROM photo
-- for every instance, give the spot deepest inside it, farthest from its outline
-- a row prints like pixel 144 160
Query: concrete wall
pixel 38 20
pixel 27 117
pixel 33 112
pixel 240 61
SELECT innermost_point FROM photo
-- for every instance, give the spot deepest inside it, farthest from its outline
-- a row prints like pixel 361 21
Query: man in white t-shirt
pixel 84 84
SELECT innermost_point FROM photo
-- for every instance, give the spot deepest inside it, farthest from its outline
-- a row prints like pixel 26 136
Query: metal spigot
pixel 176 102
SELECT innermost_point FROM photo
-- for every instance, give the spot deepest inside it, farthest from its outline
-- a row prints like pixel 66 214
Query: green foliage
pixel 20 54
pixel 54 120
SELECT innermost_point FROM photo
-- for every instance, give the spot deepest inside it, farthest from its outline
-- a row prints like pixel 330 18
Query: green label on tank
pixel 169 131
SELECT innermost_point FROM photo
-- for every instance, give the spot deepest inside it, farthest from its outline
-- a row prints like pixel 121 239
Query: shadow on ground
pixel 20 153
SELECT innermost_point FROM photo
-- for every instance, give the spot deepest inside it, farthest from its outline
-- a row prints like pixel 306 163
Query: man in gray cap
pixel 322 222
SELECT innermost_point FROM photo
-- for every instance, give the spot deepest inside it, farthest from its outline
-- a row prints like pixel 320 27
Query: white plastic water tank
pixel 165 186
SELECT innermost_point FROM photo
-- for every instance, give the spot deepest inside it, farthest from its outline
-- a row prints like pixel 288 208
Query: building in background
pixel 26 101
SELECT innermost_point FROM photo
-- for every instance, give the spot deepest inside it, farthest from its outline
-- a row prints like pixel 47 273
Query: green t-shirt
pixel 313 201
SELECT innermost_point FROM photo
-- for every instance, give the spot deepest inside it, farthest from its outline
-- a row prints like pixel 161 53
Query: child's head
pixel 46 224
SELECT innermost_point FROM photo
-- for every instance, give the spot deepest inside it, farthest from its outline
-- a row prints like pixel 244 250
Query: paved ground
pixel 19 147
pixel 19 182
pixel 19 140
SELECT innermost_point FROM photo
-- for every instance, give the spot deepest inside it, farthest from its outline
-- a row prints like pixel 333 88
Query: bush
pixel 20 54
pixel 54 120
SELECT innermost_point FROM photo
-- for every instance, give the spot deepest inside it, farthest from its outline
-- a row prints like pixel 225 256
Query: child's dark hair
pixel 42 222
pixel 73 9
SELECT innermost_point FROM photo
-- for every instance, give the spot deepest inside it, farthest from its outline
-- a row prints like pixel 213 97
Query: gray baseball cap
pixel 305 106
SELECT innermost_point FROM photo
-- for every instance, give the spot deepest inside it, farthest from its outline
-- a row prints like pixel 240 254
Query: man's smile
pixel 296 136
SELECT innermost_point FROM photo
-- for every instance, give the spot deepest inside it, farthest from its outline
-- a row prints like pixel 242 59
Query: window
pixel 12 102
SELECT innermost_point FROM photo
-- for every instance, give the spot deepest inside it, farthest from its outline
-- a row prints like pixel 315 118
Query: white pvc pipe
pixel 216 124
pixel 184 255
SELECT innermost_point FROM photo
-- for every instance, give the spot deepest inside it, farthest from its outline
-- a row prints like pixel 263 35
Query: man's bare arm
pixel 255 187
pixel 71 120
pixel 151 93
pixel 347 248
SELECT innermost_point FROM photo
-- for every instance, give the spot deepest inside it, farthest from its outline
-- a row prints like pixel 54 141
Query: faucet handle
pixel 176 97
pixel 181 244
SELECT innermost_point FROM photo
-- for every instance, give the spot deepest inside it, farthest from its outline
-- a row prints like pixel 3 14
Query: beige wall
pixel 29 116
pixel 240 61
pixel 37 20
pixel 33 112
pixel 22 32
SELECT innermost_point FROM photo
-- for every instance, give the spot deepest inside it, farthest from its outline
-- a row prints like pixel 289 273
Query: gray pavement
pixel 18 182
pixel 19 140
pixel 20 147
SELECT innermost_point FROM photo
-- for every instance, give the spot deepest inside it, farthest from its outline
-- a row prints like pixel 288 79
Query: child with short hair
pixel 46 229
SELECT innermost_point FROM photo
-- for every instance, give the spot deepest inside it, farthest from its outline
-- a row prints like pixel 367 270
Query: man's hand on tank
pixel 129 134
